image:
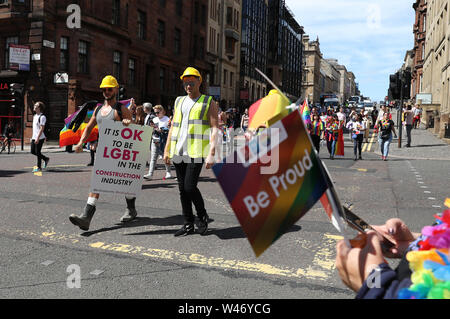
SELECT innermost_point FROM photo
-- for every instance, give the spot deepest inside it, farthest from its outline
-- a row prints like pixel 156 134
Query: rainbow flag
pixel 268 110
pixel 269 199
pixel 68 137
pixel 305 111
pixel 340 144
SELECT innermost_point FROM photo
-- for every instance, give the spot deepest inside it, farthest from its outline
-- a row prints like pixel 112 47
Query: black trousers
pixel 36 150
pixel 316 142
pixel 188 175
pixel 408 134
pixel 357 144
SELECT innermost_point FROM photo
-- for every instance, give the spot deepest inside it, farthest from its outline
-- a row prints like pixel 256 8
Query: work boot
pixel 131 212
pixel 84 220
pixel 202 225
pixel 129 215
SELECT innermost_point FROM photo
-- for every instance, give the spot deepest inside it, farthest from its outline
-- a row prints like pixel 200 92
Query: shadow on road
pixel 140 222
pixel 6 173
pixel 237 232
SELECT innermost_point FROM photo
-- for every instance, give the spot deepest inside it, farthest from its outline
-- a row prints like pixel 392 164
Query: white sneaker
pixel 168 175
pixel 160 157
pixel 148 176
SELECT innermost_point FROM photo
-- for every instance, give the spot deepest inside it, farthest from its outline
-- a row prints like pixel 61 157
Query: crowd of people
pixel 327 125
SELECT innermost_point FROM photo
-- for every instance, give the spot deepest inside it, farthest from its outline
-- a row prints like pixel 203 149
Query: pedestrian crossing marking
pixel 368 146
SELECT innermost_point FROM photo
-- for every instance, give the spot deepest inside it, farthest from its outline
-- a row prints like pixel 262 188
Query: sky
pixel 369 37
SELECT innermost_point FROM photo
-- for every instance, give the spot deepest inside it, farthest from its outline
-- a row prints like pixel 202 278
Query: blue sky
pixel 369 37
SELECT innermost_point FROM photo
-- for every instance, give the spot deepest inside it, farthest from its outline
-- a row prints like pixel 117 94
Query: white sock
pixel 92 201
pixel 129 197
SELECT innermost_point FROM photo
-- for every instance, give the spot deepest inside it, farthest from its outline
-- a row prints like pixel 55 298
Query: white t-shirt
pixel 356 127
pixel 185 109
pixel 162 122
pixel 38 121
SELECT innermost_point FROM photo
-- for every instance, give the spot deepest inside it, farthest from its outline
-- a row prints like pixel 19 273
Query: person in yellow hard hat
pixel 190 145
pixel 110 110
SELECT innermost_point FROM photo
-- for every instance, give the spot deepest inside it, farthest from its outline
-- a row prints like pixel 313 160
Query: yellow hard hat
pixel 190 71
pixel 109 82
pixel 273 92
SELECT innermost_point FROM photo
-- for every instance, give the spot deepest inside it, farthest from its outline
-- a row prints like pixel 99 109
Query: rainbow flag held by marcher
pixel 268 110
pixel 340 144
pixel 305 111
pixel 268 197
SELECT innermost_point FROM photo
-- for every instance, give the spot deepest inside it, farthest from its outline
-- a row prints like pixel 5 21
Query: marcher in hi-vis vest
pixel 192 142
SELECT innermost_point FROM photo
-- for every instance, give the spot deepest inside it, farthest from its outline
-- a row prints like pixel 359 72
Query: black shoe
pixel 360 157
pixel 46 163
pixel 90 164
pixel 202 225
pixel 187 229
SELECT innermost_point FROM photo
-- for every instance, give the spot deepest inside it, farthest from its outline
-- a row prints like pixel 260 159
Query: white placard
pixel 121 158
pixel 19 57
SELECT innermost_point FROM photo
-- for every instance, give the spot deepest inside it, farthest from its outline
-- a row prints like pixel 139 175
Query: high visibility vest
pixel 199 127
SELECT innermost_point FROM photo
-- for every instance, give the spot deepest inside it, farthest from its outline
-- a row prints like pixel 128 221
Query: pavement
pixel 424 146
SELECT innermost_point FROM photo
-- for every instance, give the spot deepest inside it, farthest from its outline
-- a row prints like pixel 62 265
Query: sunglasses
pixel 190 83
pixel 107 89
pixel 157 112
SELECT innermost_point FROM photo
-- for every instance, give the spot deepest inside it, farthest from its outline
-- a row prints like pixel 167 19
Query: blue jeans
pixel 331 145
pixel 384 145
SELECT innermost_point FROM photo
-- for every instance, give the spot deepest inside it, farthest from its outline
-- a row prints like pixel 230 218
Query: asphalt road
pixel 42 251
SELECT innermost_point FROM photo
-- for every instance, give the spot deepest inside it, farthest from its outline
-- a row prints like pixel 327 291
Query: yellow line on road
pixel 371 141
pixel 322 266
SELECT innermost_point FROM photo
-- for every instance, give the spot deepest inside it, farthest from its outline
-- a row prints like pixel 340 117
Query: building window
pixel 132 72
pixel 142 25
pixel 162 79
pixel 179 7
pixel 225 75
pixel 201 48
pixel 115 12
pixel 64 56
pixel 196 13
pixel 231 79
pixel 177 42
pixel 203 16
pixel 229 16
pixel 9 40
pixel 117 59
pixel 83 57
pixel 161 33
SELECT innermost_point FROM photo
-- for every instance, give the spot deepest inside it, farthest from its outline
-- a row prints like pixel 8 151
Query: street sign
pixel 61 78
pixel 19 57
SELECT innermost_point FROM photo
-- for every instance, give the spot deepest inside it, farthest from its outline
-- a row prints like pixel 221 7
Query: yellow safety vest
pixel 199 127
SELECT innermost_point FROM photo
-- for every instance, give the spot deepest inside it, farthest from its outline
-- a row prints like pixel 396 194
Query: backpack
pixel 46 127
pixel 117 107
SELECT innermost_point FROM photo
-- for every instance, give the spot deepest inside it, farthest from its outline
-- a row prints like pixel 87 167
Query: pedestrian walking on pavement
pixel 387 127
pixel 110 110
pixel 408 113
pixel 38 138
pixel 417 112
pixel 367 123
pixel 357 129
pixel 159 139
pixel 244 121
pixel 191 143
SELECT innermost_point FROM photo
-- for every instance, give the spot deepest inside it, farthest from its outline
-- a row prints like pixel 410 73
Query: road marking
pixel 96 272
pixel 431 198
pixel 322 267
pixel 423 186
pixel 368 146
pixel 427 192
pixel 60 166
pixel 437 206
pixel 47 263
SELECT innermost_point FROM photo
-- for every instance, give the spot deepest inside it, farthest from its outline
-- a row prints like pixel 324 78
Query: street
pixel 41 249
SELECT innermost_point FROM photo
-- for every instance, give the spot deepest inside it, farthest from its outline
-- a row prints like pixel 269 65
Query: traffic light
pixel 122 93
pixel 16 91
pixel 394 86
pixel 406 84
